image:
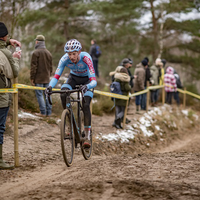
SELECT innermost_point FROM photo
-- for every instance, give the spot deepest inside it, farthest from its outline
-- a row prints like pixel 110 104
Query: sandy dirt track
pixel 172 172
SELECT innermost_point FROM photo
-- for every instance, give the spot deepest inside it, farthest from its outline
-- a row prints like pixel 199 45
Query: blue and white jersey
pixel 83 68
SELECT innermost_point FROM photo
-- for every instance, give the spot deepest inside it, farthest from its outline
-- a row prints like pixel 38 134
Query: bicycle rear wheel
pixel 87 152
pixel 67 137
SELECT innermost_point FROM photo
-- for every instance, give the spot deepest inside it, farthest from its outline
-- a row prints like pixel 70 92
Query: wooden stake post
pixel 184 98
pixel 163 95
pixel 148 97
pixel 15 118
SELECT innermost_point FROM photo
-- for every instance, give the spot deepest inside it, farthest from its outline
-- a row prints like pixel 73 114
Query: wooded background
pixel 169 29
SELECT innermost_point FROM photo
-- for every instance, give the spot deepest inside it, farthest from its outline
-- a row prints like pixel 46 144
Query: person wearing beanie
pixel 9 64
pixel 164 62
pixel 41 69
pixel 145 63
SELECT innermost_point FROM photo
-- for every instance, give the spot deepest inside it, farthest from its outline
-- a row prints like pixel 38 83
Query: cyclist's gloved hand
pixel 84 88
pixel 48 90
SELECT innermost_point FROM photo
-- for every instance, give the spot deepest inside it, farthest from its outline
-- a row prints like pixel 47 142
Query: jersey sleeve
pixel 91 73
pixel 59 71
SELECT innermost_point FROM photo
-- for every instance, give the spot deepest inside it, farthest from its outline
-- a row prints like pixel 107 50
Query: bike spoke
pixel 67 138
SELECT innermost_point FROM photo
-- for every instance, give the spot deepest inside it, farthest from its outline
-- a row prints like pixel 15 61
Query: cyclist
pixel 81 73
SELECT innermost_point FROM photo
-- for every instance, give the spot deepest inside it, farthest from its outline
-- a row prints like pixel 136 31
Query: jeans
pixel 137 99
pixel 45 107
pixel 154 96
pixel 176 97
pixel 169 97
pixel 95 63
pixel 119 112
pixel 3 116
pixel 143 101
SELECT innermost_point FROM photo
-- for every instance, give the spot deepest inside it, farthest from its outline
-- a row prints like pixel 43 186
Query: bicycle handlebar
pixel 48 94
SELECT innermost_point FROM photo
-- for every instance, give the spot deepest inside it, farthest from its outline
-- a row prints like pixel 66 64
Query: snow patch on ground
pixel 142 125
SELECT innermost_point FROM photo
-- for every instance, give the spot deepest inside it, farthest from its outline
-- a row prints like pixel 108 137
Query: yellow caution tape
pixel 22 86
pixel 9 90
pixel 138 93
pixel 155 87
pixel 118 96
pixel 181 91
pixel 192 94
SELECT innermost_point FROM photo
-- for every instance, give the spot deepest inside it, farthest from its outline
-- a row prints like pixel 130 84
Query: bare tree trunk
pixel 161 32
pixel 66 25
pixel 155 29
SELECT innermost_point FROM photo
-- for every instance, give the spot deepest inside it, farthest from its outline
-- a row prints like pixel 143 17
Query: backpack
pixel 178 81
pixel 115 88
pixel 98 51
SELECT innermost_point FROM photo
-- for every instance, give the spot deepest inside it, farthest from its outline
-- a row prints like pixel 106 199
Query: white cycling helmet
pixel 72 45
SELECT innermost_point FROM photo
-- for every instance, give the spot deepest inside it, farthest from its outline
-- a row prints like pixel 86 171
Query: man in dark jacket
pixel 95 58
pixel 10 62
pixel 41 69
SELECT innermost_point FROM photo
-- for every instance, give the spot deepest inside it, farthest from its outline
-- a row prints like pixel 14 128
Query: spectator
pixel 120 104
pixel 154 81
pixel 164 63
pixel 41 69
pixel 179 85
pixel 130 74
pixel 145 63
pixel 139 82
pixel 170 84
pixel 94 56
pixel 127 63
pixel 11 63
pixel 161 71
pixel 159 64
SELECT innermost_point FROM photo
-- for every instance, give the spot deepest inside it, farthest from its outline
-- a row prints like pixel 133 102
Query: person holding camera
pixel 9 67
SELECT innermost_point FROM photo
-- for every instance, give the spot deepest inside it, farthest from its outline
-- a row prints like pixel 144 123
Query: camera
pixel 17 49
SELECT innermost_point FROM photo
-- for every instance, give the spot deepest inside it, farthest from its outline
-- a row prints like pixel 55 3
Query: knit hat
pixel 40 38
pixel 144 62
pixel 146 58
pixel 3 30
pixel 164 62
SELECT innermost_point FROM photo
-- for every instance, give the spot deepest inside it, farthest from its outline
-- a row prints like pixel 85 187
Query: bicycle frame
pixel 69 100
pixel 72 138
pixel 76 126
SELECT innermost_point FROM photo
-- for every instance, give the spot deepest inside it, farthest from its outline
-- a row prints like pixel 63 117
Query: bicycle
pixel 71 129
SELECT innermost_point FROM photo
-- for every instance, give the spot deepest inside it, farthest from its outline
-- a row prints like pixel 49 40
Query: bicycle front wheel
pixel 67 137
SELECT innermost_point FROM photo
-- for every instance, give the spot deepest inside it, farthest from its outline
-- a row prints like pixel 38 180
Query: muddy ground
pixel 116 171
